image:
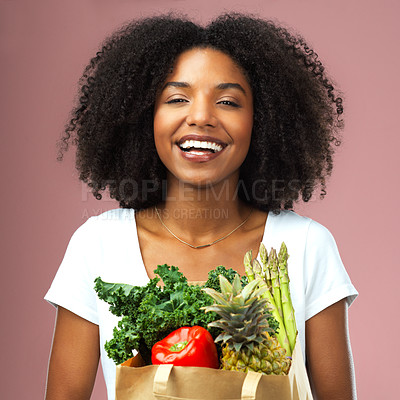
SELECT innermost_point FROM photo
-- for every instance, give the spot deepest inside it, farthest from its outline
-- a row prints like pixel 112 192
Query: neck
pixel 201 214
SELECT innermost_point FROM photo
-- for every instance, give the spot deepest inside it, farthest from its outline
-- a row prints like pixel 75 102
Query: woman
pixel 205 137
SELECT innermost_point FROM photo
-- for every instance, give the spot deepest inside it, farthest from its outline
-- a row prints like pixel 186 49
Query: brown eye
pixel 229 103
pixel 176 101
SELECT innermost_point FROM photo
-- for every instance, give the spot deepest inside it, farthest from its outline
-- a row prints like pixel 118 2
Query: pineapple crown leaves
pixel 232 292
pixel 243 311
pixel 243 318
pixel 226 287
pixel 248 325
pixel 232 295
pixel 247 333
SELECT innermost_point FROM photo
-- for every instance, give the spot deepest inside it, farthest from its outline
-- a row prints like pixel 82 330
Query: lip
pixel 199 158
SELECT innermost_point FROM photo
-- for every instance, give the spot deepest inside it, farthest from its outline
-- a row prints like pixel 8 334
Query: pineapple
pixel 247 343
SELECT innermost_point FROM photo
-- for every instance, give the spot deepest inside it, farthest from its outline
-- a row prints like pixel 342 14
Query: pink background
pixel 44 46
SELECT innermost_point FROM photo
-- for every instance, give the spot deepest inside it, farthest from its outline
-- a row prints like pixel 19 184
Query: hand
pixel 74 358
pixel 329 358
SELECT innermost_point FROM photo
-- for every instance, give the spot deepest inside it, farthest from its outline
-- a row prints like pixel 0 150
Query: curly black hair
pixel 297 115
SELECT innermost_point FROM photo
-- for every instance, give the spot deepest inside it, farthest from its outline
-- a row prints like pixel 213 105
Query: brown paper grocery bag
pixel 166 382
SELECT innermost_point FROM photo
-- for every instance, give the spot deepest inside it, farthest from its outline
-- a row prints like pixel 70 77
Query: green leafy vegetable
pixel 213 277
pixel 150 313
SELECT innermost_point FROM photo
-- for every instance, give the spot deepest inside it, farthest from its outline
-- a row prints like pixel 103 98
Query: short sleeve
pixel 73 285
pixel 326 279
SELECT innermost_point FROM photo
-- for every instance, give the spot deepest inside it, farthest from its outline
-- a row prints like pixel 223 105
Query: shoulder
pixel 116 216
pixel 288 223
pixel 298 224
pixel 289 217
pixel 302 234
pixel 113 224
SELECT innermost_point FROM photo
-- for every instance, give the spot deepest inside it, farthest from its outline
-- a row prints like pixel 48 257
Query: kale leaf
pixel 150 313
pixel 213 277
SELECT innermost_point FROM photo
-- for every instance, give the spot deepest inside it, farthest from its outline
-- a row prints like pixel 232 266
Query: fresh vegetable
pixel 213 277
pixel 273 275
pixel 274 319
pixel 281 333
pixel 149 313
pixel 187 347
pixel 248 346
pixel 287 306
pixel 275 284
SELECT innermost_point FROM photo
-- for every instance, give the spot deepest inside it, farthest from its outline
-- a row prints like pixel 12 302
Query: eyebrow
pixel 221 86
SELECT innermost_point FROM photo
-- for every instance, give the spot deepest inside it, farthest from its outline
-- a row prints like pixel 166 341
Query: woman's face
pixel 203 118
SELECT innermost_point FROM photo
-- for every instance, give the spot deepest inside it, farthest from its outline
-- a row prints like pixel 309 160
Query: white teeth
pixel 200 145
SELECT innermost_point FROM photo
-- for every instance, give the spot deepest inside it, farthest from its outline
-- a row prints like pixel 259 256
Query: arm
pixel 329 358
pixel 74 358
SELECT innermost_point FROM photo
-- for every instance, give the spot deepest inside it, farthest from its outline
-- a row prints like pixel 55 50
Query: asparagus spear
pixel 263 255
pixel 247 265
pixel 264 260
pixel 287 306
pixel 276 290
pixel 253 271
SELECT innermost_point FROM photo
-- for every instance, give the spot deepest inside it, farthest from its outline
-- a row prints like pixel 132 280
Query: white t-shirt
pixel 107 246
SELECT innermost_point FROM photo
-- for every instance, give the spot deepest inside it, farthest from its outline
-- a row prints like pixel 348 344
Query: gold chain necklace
pixel 202 245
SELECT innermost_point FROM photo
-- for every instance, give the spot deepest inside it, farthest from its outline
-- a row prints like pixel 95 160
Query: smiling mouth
pixel 200 147
pixel 200 151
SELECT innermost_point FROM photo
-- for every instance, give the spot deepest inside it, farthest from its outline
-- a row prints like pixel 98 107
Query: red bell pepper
pixel 188 347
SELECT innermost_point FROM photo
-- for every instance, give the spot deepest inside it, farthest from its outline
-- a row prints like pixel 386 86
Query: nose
pixel 201 113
